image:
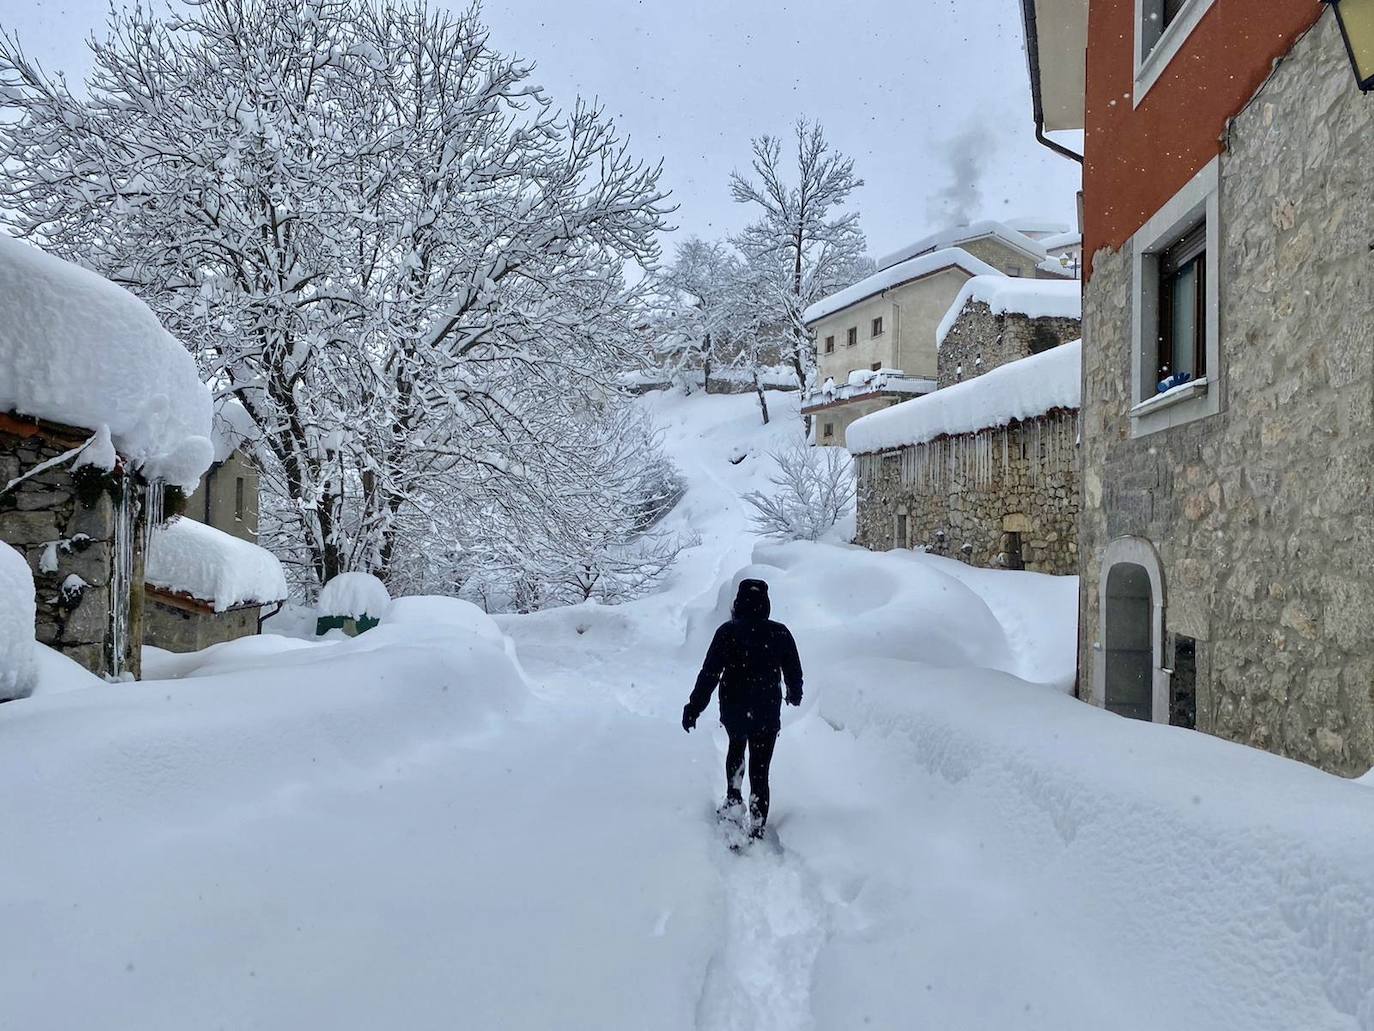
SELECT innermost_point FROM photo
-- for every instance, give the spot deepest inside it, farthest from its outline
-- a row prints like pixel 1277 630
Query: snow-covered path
pixel 437 826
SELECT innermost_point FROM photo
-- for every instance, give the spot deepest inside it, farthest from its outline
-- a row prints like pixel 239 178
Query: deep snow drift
pixel 455 821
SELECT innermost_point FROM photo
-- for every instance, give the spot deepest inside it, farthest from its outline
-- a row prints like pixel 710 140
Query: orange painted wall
pixel 1136 158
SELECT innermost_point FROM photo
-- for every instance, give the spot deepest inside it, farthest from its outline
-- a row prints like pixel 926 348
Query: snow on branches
pixel 814 490
pixel 377 233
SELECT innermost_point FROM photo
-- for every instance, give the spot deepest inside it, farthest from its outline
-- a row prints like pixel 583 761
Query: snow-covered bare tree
pixel 803 244
pixel 813 490
pixel 702 307
pixel 372 228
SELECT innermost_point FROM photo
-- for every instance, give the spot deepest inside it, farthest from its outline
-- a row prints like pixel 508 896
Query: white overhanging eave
pixel 1058 60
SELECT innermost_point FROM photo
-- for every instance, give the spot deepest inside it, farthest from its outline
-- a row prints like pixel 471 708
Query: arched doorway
pixel 1129 678
pixel 1129 686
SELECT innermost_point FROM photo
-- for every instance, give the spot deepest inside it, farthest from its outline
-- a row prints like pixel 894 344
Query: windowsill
pixel 1194 388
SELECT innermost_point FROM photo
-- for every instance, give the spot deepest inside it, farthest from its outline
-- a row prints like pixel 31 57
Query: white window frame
pixel 1149 67
pixel 1151 412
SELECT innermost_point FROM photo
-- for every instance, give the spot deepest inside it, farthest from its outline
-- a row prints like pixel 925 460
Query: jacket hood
pixel 752 601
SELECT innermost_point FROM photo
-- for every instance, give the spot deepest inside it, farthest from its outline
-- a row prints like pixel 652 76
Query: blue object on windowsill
pixel 1169 382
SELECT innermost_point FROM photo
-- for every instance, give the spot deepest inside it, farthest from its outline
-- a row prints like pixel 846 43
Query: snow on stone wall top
pixel 354 595
pixel 1034 298
pixel 1018 390
pixel 18 669
pixel 215 567
pixel 79 350
pixel 955 235
pixel 895 275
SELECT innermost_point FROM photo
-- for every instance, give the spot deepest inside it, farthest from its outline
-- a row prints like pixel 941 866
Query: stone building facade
pixel 178 622
pixel 1004 497
pixel 1227 579
pixel 82 533
pixel 981 340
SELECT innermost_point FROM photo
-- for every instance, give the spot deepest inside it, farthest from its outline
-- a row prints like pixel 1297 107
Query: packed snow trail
pixel 438 824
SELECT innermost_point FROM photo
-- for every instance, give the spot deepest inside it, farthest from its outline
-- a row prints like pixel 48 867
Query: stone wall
pixel 980 341
pixel 177 626
pixel 66 529
pixel 1262 515
pixel 1005 497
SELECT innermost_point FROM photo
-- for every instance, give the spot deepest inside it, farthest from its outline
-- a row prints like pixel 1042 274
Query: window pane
pixel 1183 315
pixel 1171 9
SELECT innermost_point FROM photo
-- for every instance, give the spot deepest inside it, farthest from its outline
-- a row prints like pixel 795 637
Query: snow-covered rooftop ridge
pixel 1054 243
pixel 1034 298
pixel 1033 224
pixel 354 595
pixel 894 275
pixel 955 235
pixel 231 428
pixel 1018 390
pixel 212 566
pixel 79 350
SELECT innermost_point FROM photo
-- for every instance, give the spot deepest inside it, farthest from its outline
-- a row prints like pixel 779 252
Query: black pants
pixel 760 746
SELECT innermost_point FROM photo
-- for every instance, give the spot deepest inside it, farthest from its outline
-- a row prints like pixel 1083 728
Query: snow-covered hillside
pixel 454 821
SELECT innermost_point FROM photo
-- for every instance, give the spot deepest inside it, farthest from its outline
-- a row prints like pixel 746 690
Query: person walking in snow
pixel 747 657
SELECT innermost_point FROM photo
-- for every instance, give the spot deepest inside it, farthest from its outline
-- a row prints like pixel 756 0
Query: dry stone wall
pixel 1004 498
pixel 67 533
pixel 1262 515
pixel 980 341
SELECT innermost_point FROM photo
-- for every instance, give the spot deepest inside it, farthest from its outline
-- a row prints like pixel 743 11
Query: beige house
pixel 875 341
pixel 227 496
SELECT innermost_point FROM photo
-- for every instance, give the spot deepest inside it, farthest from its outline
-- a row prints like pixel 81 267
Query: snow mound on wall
pixel 354 595
pixel 1034 298
pixel 79 350
pixel 1018 390
pixel 18 670
pixel 191 558
pixel 895 275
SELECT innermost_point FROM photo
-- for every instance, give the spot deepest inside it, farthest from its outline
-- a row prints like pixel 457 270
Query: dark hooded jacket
pixel 748 656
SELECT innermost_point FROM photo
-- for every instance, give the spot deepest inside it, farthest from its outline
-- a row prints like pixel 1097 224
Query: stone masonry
pixel 980 341
pixel 69 544
pixel 1005 497
pixel 1262 515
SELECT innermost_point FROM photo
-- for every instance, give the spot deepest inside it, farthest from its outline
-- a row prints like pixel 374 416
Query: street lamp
pixel 1356 19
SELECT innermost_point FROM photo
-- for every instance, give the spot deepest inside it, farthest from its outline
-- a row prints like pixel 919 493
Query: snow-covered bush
pixel 18 669
pixel 814 489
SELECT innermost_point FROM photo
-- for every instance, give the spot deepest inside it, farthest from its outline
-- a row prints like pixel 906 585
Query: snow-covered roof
pixel 1018 390
pixel 231 428
pixel 955 235
pixel 1046 226
pixel 1034 298
pixel 212 566
pixel 354 595
pixel 895 275
pixel 79 350
pixel 1061 240
pixel 17 657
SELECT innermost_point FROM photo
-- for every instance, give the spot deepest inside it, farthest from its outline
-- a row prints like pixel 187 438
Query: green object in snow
pixel 348 624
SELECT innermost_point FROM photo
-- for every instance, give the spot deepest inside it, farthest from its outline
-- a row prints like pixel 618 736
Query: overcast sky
pixel 929 97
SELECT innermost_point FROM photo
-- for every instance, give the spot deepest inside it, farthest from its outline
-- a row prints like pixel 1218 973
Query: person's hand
pixel 794 698
pixel 689 719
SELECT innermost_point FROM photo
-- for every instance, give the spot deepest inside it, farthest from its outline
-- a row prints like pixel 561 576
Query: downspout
pixel 263 619
pixel 1037 105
